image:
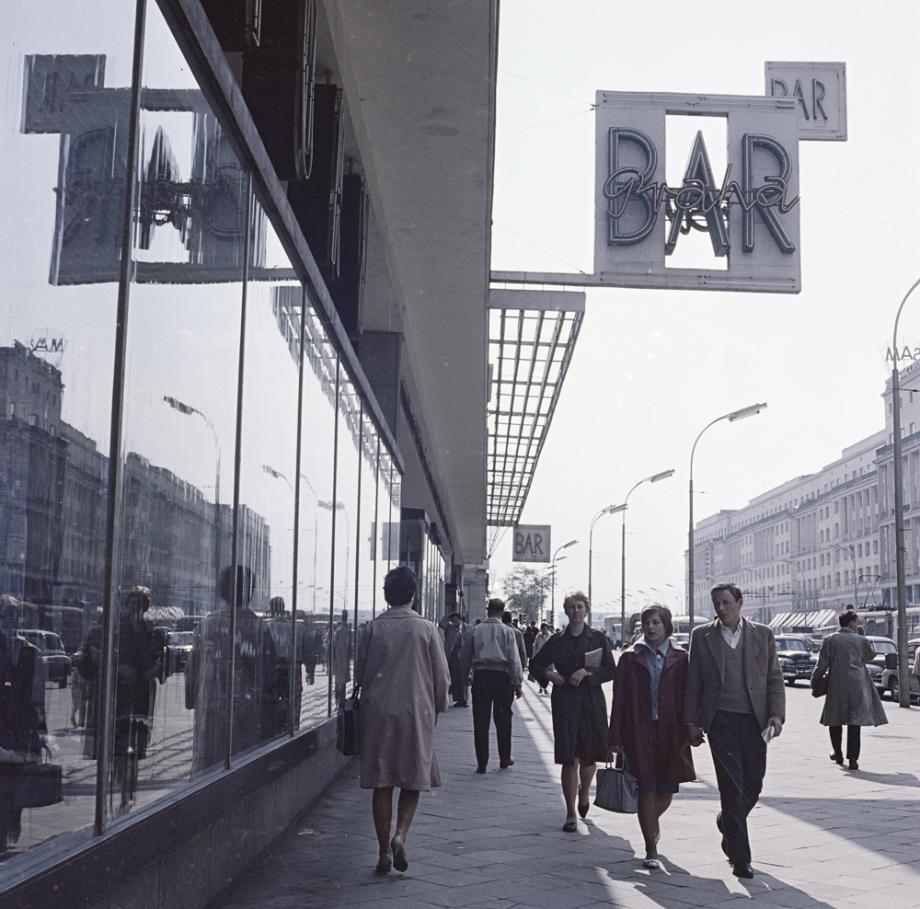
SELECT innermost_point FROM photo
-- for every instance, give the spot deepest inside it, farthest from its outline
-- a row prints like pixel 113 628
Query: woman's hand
pixel 578 676
pixel 557 678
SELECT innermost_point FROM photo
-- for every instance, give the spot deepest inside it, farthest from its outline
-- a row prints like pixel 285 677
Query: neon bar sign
pixel 750 213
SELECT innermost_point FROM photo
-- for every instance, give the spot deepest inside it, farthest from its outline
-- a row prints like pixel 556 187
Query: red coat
pixel 631 718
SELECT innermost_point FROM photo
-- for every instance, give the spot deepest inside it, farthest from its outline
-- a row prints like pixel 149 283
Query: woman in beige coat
pixel 402 675
pixel 852 700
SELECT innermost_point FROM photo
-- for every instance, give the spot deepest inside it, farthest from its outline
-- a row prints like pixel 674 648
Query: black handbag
pixel 617 790
pixel 347 739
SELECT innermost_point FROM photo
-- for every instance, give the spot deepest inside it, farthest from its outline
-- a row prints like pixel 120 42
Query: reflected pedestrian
pixel 284 631
pixel 341 658
pixel 852 700
pixel 544 635
pixel 646 722
pixel 402 678
pixel 581 662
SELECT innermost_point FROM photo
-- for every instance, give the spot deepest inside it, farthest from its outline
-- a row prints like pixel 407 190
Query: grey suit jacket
pixel 762 674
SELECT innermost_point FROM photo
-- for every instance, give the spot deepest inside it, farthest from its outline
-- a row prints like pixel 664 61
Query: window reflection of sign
pixel 819 93
pixel 65 94
pixel 750 213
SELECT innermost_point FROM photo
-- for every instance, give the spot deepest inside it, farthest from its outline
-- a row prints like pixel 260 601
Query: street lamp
pixel 188 410
pixel 903 671
pixel 554 559
pixel 732 416
pixel 610 509
pixel 654 478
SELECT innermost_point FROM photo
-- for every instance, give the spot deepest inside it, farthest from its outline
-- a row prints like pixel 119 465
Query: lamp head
pixel 750 411
pixel 661 476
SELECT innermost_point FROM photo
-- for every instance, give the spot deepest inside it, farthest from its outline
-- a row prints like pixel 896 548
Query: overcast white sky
pixel 653 367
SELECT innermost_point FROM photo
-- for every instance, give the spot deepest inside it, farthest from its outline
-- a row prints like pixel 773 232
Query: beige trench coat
pixel 851 697
pixel 402 672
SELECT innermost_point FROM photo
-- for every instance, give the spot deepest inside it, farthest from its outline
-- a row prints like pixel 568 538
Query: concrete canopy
pixel 419 83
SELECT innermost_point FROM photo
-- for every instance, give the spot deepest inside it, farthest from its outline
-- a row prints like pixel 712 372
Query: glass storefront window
pixel 63 122
pixel 341 603
pixel 266 656
pixel 367 526
pixel 314 558
pixel 182 364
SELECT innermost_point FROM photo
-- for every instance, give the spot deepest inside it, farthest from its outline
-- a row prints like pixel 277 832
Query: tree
pixel 524 590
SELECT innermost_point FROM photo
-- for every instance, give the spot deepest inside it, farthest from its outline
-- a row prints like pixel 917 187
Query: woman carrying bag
pixel 646 722
pixel 583 662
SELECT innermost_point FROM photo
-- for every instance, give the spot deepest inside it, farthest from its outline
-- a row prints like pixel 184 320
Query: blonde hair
pixel 577 597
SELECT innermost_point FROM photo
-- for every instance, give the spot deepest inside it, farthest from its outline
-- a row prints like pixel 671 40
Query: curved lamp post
pixel 654 478
pixel 552 614
pixel 903 670
pixel 188 411
pixel 610 509
pixel 734 415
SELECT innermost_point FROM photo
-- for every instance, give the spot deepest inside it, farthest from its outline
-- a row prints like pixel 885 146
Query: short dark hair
pixel 663 613
pixel 848 615
pixel 245 584
pixel 733 589
pixel 495 606
pixel 544 625
pixel 506 617
pixel 276 605
pixel 399 586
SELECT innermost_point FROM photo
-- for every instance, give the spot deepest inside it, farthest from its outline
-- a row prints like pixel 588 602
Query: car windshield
pixel 884 646
pixel 791 644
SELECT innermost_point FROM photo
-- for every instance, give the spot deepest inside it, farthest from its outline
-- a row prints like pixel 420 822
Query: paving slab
pixel 822 837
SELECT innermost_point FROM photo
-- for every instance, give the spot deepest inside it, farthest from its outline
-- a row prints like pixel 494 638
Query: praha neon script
pixel 698 195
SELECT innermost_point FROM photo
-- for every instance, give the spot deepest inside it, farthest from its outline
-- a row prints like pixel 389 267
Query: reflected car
pixel 57 663
pixel 882 647
pixel 796 658
pixel 682 638
pixel 889 679
pixel 178 648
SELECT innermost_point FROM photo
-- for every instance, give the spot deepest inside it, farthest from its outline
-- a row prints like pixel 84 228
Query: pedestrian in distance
pixel 646 721
pixel 401 679
pixel 491 652
pixel 852 700
pixel 735 693
pixel 518 637
pixel 452 632
pixel 545 634
pixel 577 661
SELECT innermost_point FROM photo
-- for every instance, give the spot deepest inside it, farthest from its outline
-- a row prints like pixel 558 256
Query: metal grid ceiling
pixel 532 334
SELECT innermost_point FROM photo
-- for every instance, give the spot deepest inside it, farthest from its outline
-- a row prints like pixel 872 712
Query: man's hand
pixel 557 678
pixel 694 734
pixel 518 692
pixel 777 725
pixel 578 676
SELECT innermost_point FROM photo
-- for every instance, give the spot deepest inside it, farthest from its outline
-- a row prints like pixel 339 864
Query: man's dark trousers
pixel 739 754
pixel 492 698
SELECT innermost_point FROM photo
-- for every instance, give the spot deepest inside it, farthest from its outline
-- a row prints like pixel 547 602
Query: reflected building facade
pixel 242 375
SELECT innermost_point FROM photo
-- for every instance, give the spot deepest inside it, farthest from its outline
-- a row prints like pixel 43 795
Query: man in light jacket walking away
pixel 401 673
pixel 735 694
pixel 852 700
pixel 491 651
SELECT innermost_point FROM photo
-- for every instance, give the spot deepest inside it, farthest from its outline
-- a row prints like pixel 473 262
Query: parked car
pixel 178 648
pixel 889 681
pixel 682 638
pixel 57 663
pixel 796 658
pixel 883 647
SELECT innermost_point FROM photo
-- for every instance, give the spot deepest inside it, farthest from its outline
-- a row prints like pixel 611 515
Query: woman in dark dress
pixel 647 721
pixel 581 662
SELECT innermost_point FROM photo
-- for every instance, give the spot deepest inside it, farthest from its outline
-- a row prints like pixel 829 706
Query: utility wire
pixel 549 252
pixel 548 88
pixel 524 129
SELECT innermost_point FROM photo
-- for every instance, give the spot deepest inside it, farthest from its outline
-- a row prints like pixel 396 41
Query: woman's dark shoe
pixel 384 864
pixel 583 808
pixel 837 759
pixel 398 848
pixel 743 869
pixel 570 826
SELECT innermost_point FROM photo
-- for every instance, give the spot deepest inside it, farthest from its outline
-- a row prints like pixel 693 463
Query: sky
pixel 653 367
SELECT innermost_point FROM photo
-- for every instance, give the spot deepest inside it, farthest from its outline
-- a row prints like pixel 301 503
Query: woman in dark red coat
pixel 646 721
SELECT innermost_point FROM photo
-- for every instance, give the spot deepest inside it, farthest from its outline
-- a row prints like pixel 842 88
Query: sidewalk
pixel 821 836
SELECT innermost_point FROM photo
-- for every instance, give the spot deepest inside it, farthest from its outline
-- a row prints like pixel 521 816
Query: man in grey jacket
pixel 490 650
pixel 735 694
